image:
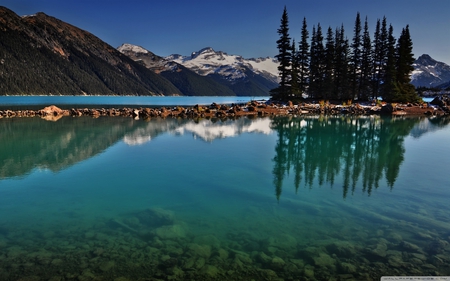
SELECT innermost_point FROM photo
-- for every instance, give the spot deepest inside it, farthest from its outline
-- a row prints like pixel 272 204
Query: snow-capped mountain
pixel 217 72
pixel 186 80
pixel 255 77
pixel 231 67
pixel 144 56
pixel 429 72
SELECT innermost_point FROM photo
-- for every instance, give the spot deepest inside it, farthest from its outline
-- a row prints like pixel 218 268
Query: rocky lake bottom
pixel 154 244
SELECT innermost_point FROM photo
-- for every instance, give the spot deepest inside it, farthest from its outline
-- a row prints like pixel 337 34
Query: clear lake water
pixel 287 198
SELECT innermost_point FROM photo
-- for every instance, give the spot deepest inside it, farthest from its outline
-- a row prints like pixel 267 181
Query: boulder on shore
pixel 52 110
pixel 388 108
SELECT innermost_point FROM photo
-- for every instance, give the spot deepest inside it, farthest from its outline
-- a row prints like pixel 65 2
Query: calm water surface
pixel 310 198
pixel 66 102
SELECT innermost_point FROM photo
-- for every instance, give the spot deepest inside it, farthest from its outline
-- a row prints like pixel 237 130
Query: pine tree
pixel 405 60
pixel 376 60
pixel 389 87
pixel 304 58
pixel 355 61
pixel 312 65
pixel 342 58
pixel 295 92
pixel 380 56
pixel 366 65
pixel 328 86
pixel 316 69
pixel 284 58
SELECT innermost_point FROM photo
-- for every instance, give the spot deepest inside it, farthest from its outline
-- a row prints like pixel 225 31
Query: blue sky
pixel 244 27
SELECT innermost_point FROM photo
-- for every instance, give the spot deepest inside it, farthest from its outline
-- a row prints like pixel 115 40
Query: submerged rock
pixel 155 217
pixel 283 242
pixel 309 272
pixel 395 258
pixel 210 270
pixel 342 249
pixel 395 237
pixel 410 247
pixel 222 254
pixel 324 260
pixel 203 251
pixel 211 240
pixel 106 266
pixel 264 259
pixel 277 263
pixel 436 247
pixel 379 250
pixel 347 268
pixel 170 232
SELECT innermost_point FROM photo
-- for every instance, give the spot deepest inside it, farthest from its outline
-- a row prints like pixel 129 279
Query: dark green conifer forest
pixel 330 66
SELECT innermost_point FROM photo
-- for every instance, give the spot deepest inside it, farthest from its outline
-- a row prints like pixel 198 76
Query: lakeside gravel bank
pixel 253 108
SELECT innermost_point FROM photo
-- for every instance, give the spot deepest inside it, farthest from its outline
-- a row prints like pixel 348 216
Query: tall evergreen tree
pixel 355 61
pixel 312 65
pixel 295 92
pixel 366 64
pixel 304 58
pixel 317 64
pixel 389 87
pixel 342 58
pixel 376 60
pixel 284 58
pixel 405 60
pixel 380 55
pixel 328 85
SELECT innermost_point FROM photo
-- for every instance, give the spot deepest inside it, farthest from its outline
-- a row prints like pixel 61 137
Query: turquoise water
pixel 311 198
pixel 25 102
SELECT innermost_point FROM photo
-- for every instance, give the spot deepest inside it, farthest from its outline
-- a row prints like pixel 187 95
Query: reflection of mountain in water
pixel 362 150
pixel 150 130
pixel 206 130
pixel 427 125
pixel 26 144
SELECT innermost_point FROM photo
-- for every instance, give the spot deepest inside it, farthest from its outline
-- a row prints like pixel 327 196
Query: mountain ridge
pixel 187 81
pixel 217 69
pixel 430 73
pixel 42 55
pixel 243 76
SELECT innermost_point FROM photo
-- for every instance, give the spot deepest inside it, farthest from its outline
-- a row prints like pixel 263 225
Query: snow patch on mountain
pixel 208 61
pixel 429 72
pixel 132 48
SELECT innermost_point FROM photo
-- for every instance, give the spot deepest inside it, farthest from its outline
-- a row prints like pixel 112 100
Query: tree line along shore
pixel 438 107
pixel 327 65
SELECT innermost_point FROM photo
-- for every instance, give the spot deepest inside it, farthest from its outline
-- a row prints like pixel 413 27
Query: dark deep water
pixel 308 198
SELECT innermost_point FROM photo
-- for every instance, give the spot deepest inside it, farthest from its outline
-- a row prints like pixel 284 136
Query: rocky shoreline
pixel 437 107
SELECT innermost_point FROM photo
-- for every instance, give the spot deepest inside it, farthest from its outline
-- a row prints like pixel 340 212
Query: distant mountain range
pixel 243 76
pixel 234 74
pixel 430 73
pixel 42 55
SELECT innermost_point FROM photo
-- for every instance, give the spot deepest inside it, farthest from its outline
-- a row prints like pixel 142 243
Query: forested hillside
pixel 41 55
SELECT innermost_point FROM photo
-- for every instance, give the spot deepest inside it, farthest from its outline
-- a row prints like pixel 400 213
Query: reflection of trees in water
pixel 432 124
pixel 29 143
pixel 362 149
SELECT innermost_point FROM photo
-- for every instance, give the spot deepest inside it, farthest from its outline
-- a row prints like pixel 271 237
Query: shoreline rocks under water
pixel 156 244
pixel 253 108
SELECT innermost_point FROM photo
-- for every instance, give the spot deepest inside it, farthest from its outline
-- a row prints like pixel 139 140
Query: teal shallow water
pixel 266 199
pixel 66 102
